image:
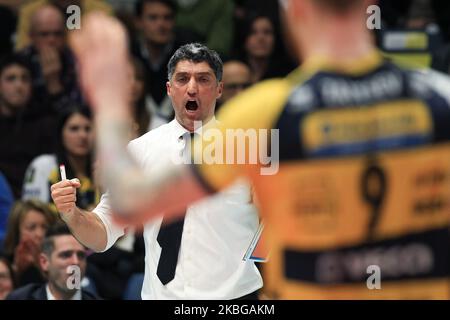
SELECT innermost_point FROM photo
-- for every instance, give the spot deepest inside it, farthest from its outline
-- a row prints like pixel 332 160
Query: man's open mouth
pixel 191 105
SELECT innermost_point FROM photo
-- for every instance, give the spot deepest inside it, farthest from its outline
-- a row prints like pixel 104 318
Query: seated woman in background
pixel 27 224
pixel 7 280
pixel 74 149
pixel 259 47
pixel 141 116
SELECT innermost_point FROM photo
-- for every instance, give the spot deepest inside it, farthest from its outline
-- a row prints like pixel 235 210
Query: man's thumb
pixel 75 183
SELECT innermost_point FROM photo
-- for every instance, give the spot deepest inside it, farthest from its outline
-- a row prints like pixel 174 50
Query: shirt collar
pixel 50 296
pixel 155 64
pixel 179 130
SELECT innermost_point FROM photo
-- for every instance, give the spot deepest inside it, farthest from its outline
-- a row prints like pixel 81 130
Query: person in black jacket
pixel 63 260
pixel 35 291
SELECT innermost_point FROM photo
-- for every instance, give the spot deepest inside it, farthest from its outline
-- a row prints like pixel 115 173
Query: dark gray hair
pixel 58 229
pixel 196 52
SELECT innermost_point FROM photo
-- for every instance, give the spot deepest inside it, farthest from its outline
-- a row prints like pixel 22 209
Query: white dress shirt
pixel 50 296
pixel 217 232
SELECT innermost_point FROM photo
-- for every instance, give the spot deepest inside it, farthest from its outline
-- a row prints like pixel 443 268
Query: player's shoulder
pixel 268 92
pixel 258 106
pixel 432 80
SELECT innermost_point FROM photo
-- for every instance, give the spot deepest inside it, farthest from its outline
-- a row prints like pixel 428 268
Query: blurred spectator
pixel 8 21
pixel 420 14
pixel 246 8
pixel 27 225
pixel 122 5
pixel 412 13
pixel 6 201
pixel 236 77
pixel 14 5
pixel 15 85
pixel 73 149
pixel 211 20
pixel 7 280
pixel 261 50
pixel 60 250
pixel 243 8
pixel 442 15
pixel 24 134
pixel 394 12
pixel 28 10
pixel 413 35
pixel 154 46
pixel 52 63
pixel 142 116
pixel 112 269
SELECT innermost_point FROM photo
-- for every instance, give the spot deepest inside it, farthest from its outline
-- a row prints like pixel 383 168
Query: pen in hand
pixel 62 170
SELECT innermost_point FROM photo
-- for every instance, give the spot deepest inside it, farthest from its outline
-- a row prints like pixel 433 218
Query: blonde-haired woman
pixel 28 222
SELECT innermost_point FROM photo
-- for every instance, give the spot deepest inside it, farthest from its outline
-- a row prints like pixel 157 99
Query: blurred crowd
pixel 45 119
